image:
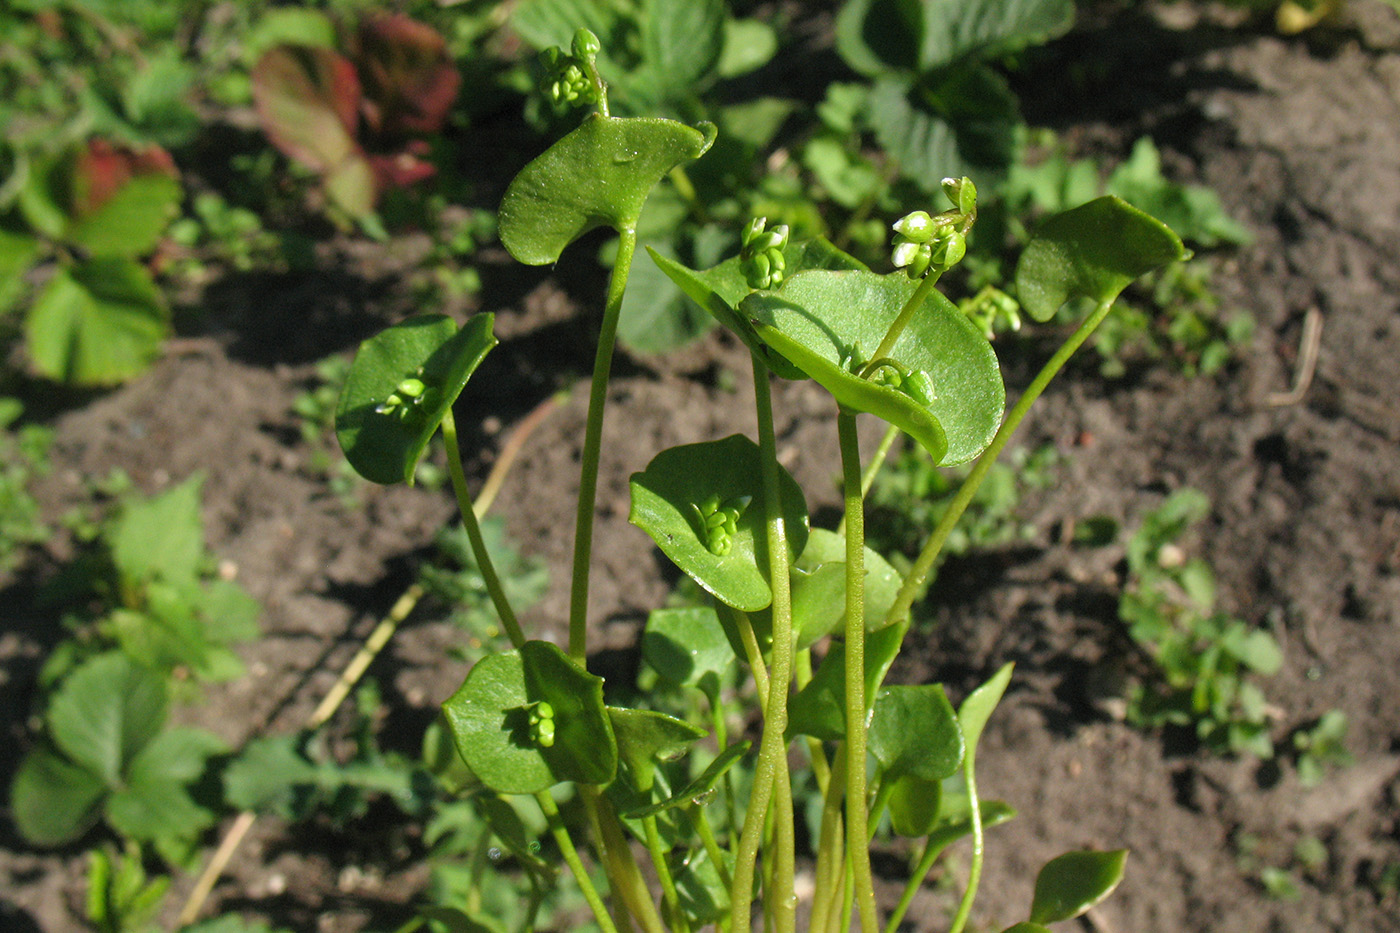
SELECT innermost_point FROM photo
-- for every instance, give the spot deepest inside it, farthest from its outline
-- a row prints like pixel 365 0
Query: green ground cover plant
pixel 531 723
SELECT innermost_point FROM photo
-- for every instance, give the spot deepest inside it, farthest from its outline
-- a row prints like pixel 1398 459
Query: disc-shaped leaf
pixel 825 321
pixel 686 646
pixel 97 323
pixel 819 709
pixel 1092 251
pixel 382 438
pixel 914 731
pixel 598 175
pixel 721 288
pixel 819 588
pixel 1072 883
pixel 490 720
pixel 677 482
pixel 645 737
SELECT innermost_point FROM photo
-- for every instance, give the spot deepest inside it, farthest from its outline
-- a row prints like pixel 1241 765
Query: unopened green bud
pixel 962 192
pixel 947 249
pixel 586 45
pixel 916 226
pixel 751 230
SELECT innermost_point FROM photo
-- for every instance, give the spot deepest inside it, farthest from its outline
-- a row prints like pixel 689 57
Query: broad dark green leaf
pixel 681 42
pixel 489 717
pixel 914 804
pixel 819 709
pixel 1092 251
pixel 666 494
pixel 156 810
pixel 687 646
pixel 989 27
pixel 598 175
pixel 698 791
pixel 646 737
pixel 98 323
pixel 819 319
pixel 819 588
pixel 53 800
pixel 720 289
pixel 105 712
pixel 384 446
pixel 914 731
pixel 1072 883
pixel 263 776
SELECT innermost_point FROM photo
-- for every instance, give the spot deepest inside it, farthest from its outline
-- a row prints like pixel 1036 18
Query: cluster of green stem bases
pixel 731 517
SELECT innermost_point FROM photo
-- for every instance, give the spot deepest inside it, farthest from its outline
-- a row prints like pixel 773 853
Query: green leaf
pixel 1025 926
pixel 955 822
pixel 130 224
pixel 1072 883
pixel 160 538
pixel 265 774
pixel 989 28
pixel 818 319
pixel 17 252
pixel 489 717
pixel 687 646
pixel 287 26
pixel 598 175
pixel 698 791
pixel 819 709
pixel 977 707
pixel 655 316
pixel 749 44
pixel 914 731
pixel 819 588
pixel 53 800
pixel 914 804
pixel 105 712
pixel 720 289
pixel 156 810
pixel 1092 251
pixel 681 42
pixel 98 323
pixel 664 500
pixel 179 754
pixel 645 737
pixel 456 920
pixel 383 442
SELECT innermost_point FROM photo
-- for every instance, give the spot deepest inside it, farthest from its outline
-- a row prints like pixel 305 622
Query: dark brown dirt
pixel 1301 137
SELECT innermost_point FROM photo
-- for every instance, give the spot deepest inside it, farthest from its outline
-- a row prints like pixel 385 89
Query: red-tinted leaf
pixel 307 100
pixel 102 168
pixel 409 79
pixel 401 169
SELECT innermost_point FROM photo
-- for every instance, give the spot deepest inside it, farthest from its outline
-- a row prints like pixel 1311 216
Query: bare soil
pixel 1301 138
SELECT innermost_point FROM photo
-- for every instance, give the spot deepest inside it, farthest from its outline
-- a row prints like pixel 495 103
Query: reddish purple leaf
pixel 307 100
pixel 409 79
pixel 103 168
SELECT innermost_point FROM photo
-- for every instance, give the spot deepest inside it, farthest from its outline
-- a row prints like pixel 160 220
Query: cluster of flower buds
pixel 993 311
pixel 570 79
pixel 761 256
pixel 924 243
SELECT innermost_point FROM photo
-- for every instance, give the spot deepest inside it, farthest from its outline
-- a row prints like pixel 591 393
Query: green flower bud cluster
pixel 720 522
pixel 408 396
pixel 761 257
pixel 914 383
pixel 924 243
pixel 542 724
pixel 571 79
pixel 993 311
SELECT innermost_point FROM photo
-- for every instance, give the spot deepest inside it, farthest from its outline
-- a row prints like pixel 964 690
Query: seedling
pixel 733 520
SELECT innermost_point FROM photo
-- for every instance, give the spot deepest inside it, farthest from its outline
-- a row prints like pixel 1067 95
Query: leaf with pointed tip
pixel 598 175
pixel 1072 883
pixel 666 493
pixel 819 709
pixel 489 717
pixel 819 319
pixel 977 707
pixel 1025 926
pixel 699 789
pixel 1092 251
pixel 384 446
pixel 954 822
pixel 645 737
pixel 721 288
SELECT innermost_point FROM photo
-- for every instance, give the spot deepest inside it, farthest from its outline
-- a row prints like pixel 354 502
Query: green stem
pixel 856 818
pixel 872 469
pixel 592 447
pixel 571 858
pixel 928 557
pixel 628 887
pixel 974 875
pixel 831 854
pixel 901 321
pixel 473 527
pixel 701 822
pixel 663 874
pixel 916 881
pixel 770 773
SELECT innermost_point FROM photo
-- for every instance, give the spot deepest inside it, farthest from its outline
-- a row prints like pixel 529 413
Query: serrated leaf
pixel 54 800
pixel 598 175
pixel 1092 251
pixel 687 646
pixel 915 732
pixel 105 712
pixel 489 717
pixel 989 28
pixel 664 500
pixel 819 319
pixel 160 538
pixel 156 810
pixel 308 100
pixel 384 442
pixel 98 323
pixel 263 775
pixel 1072 883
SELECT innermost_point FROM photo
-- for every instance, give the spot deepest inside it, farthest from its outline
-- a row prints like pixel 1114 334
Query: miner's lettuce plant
pixel 813 615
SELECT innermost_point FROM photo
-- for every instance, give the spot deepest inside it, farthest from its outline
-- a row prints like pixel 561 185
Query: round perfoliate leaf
pixel 819 588
pixel 687 646
pixel 914 731
pixel 495 720
pixel 678 497
pixel 826 322
pixel 1072 883
pixel 400 387
pixel 1092 251
pixel 598 175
